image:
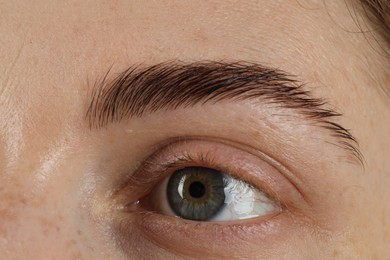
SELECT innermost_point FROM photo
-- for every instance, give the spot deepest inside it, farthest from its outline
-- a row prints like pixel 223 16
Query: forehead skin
pixel 51 53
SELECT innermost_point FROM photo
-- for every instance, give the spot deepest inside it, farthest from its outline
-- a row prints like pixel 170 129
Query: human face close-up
pixel 193 129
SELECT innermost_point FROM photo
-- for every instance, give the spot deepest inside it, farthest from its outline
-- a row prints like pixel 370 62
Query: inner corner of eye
pixel 206 194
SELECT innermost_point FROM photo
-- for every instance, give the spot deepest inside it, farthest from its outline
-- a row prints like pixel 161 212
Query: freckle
pixel 6 218
pixel 45 232
pixel 23 201
pixel 70 243
pixel 48 225
pixel 335 253
pixel 6 215
pixel 77 255
pixel 79 232
pixel 3 232
pixel 43 221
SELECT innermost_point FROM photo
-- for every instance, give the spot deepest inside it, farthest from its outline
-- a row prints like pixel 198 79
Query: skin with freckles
pixel 72 191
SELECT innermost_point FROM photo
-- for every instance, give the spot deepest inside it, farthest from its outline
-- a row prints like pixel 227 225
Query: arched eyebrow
pixel 141 90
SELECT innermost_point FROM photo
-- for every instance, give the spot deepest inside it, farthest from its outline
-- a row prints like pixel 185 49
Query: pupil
pixel 197 189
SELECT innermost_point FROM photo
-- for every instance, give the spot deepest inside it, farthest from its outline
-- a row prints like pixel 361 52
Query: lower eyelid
pixel 261 238
pixel 185 237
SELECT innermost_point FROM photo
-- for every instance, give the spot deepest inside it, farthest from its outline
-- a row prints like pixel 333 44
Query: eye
pixel 207 181
pixel 193 192
pixel 205 194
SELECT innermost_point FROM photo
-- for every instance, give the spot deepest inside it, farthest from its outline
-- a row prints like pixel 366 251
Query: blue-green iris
pixel 196 193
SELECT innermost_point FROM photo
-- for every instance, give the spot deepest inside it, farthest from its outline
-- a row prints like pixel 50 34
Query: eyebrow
pixel 141 90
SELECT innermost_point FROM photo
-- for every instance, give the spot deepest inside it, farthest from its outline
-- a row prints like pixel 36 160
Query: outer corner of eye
pixel 206 194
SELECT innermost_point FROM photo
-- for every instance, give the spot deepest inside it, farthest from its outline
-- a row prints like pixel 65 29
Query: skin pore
pixel 72 191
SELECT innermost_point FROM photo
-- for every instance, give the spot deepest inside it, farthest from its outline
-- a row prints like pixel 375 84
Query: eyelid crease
pixel 171 85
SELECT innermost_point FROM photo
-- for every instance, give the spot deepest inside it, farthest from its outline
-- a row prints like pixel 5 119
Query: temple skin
pixel 58 177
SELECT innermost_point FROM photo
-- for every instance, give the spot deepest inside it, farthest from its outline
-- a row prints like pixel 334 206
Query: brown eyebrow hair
pixel 169 85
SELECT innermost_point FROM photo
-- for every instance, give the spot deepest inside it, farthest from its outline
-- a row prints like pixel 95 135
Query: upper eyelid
pixel 155 169
pixel 170 85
